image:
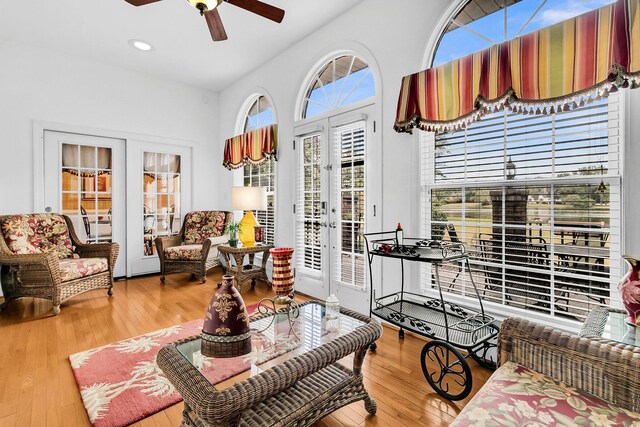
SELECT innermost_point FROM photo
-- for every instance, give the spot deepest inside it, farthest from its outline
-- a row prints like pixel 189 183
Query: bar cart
pixel 450 327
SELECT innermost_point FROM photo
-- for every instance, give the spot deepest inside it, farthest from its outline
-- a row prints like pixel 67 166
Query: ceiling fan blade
pixel 259 8
pixel 140 2
pixel 215 25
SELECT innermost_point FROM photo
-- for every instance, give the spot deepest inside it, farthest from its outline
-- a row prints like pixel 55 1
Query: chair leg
pixel 162 278
pixel 55 310
pixel 204 279
pixel 110 291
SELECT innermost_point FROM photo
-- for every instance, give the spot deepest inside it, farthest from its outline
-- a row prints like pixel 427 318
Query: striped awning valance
pixel 557 68
pixel 254 147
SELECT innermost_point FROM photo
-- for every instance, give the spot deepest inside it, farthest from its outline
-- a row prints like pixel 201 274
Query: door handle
pixel 323 224
pixel 332 224
pixel 48 209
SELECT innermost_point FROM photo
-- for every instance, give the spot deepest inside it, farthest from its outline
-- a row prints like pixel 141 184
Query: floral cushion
pixel 199 225
pixel 37 233
pixel 184 252
pixel 517 396
pixel 71 269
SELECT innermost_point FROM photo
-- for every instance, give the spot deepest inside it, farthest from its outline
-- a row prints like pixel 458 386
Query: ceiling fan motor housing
pixel 204 5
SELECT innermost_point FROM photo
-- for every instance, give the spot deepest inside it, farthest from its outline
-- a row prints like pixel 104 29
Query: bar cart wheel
pixel 401 333
pixel 446 370
pixel 373 346
pixel 483 355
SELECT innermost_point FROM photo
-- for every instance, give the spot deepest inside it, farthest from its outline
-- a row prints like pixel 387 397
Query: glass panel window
pixel 342 81
pixel 260 114
pixel 480 23
pixel 86 179
pixel 310 205
pixel 349 266
pixel 536 200
pixel 161 202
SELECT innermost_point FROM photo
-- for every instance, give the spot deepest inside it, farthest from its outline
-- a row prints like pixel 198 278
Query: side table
pixel 245 275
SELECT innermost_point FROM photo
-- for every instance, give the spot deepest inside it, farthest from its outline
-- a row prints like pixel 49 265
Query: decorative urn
pixel 226 331
pixel 282 279
pixel 630 289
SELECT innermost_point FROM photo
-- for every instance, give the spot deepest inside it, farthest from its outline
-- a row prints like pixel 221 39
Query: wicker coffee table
pixel 243 274
pixel 291 381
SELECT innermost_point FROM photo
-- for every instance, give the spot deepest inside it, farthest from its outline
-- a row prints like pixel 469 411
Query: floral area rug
pixel 121 383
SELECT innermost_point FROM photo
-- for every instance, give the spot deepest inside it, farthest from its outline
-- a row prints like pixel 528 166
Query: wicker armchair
pixel 194 250
pixel 42 257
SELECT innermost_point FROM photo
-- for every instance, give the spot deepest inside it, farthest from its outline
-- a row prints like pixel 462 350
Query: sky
pixel 461 42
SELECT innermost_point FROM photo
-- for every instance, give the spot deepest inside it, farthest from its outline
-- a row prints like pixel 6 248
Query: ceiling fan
pixel 208 9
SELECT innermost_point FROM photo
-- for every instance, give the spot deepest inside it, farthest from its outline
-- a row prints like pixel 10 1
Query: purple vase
pixel 630 289
pixel 226 331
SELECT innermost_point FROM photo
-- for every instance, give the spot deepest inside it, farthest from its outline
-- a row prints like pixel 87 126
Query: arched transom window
pixel 342 81
pixel 482 23
pixel 260 114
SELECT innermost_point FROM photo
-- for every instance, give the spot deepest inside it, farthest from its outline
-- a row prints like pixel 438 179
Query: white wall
pixel 392 36
pixel 37 84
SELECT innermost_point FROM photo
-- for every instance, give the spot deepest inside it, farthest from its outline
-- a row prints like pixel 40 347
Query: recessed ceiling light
pixel 140 45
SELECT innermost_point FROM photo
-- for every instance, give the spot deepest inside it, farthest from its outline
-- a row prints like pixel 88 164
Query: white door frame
pixel 40 126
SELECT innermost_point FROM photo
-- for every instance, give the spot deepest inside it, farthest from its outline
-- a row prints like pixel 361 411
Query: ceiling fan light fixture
pixel 204 5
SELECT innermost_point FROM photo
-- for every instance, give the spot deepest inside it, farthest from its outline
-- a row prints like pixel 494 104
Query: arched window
pixel 260 114
pixel 482 23
pixel 529 195
pixel 342 81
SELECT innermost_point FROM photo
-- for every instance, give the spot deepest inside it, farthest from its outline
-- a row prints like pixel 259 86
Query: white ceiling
pixel 100 29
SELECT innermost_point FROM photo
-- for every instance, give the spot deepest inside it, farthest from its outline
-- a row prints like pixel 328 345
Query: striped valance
pixel 557 68
pixel 254 147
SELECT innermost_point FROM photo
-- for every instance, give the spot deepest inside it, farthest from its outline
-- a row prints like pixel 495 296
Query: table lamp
pixel 248 199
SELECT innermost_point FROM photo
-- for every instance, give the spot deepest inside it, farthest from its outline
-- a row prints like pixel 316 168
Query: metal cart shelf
pixel 450 327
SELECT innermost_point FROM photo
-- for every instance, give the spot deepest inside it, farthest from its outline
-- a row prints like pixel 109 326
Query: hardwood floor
pixel 37 387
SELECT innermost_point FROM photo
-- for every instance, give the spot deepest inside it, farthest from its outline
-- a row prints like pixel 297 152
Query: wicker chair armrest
pixel 218 407
pixel 164 242
pixel 45 259
pixel 605 368
pixel 99 250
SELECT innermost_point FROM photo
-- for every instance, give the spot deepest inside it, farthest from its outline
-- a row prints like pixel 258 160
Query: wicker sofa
pixel 42 257
pixel 194 249
pixel 550 377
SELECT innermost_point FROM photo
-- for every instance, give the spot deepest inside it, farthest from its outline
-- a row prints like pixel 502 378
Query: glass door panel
pixel 86 186
pixel 161 198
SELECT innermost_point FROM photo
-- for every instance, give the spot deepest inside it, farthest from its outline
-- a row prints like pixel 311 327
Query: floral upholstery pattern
pixel 71 269
pixel 518 396
pixel 200 225
pixel 186 252
pixel 37 233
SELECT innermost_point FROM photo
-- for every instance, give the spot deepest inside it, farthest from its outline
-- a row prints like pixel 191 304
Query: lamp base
pixel 245 231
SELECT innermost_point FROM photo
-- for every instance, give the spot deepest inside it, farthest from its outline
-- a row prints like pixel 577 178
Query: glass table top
pixel 617 329
pixel 273 341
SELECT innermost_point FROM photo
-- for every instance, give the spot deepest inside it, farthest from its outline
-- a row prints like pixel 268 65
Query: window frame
pixel 427 183
pixel 239 174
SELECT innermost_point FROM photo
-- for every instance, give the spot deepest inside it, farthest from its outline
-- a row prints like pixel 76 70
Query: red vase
pixel 282 278
pixel 630 289
pixel 226 331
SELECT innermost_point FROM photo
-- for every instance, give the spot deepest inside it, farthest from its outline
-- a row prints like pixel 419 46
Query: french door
pixel 84 178
pixel 336 204
pixel 159 184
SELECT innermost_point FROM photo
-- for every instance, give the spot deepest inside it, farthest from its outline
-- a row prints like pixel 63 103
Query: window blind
pixel 349 183
pixel 308 212
pixel 264 175
pixel 537 201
